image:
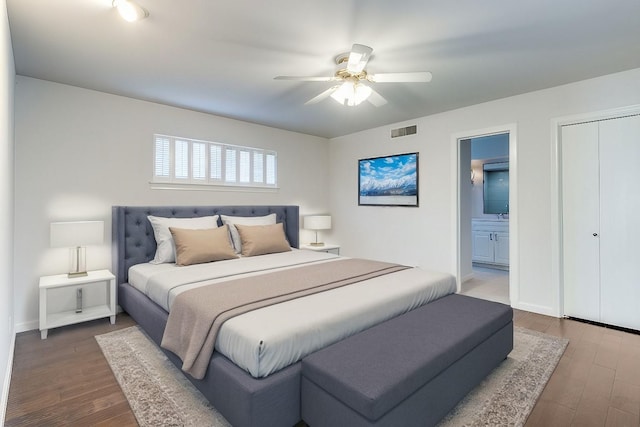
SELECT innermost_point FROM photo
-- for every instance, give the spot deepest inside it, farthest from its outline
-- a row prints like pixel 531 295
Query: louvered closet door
pixel 620 221
pixel 580 221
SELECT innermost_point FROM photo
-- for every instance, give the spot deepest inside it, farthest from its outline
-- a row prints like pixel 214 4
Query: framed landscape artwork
pixel 388 181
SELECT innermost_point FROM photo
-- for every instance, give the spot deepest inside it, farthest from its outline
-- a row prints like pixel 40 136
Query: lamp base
pixel 77 261
pixel 316 244
pixel 77 274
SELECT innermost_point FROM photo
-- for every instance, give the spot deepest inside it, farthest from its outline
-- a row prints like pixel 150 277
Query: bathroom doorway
pixel 489 218
pixel 485 206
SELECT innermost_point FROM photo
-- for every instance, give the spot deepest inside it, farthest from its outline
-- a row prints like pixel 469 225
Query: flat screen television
pixel 388 181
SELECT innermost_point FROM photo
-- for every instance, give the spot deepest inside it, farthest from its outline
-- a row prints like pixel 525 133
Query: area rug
pixel 160 395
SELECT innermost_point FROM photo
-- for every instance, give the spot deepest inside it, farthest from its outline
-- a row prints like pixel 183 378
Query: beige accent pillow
pixel 165 247
pixel 262 239
pixel 244 220
pixel 200 246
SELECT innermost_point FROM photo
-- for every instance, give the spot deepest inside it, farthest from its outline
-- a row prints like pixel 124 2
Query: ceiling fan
pixel 351 76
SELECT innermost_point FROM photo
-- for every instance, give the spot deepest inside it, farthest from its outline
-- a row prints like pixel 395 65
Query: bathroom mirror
pixel 496 188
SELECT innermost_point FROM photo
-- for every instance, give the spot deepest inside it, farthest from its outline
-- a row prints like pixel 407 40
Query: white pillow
pixel 245 220
pixel 166 248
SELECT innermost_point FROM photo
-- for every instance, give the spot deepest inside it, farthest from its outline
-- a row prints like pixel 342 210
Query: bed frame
pixel 276 400
pixel 243 400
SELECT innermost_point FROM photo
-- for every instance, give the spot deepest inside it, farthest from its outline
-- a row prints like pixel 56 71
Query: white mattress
pixel 266 340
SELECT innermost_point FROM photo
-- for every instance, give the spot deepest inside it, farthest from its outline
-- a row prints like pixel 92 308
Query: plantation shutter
pixel 182 160
pixel 189 161
pixel 162 158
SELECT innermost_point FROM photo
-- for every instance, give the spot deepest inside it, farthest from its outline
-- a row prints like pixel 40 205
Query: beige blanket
pixel 197 314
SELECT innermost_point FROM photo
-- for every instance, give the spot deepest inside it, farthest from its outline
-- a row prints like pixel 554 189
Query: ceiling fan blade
pixel 417 77
pixel 306 79
pixel 376 99
pixel 322 96
pixel 358 58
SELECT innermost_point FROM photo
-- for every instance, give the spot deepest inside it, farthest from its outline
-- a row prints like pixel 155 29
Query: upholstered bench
pixel 409 371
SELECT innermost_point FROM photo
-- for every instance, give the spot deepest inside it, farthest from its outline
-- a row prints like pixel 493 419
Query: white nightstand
pixel 67 300
pixel 327 247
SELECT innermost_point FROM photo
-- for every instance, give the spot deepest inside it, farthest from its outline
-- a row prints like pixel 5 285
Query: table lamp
pixel 75 235
pixel 317 222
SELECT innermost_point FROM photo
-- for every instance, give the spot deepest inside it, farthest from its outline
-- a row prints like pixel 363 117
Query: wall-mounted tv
pixel 388 181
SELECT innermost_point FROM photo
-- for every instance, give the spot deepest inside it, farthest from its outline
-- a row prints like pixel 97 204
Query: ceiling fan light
pixel 129 10
pixel 358 58
pixel 361 93
pixel 355 59
pixel 341 94
pixel 351 94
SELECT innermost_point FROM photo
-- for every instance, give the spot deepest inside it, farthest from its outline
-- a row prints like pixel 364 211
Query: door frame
pixel 557 272
pixel 514 261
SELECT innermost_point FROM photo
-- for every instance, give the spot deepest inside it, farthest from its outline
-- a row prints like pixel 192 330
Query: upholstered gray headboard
pixel 132 236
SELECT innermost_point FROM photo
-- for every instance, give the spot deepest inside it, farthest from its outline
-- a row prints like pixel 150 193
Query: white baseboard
pixel 539 309
pixel 7 379
pixel 467 278
pixel 31 325
pixel 27 326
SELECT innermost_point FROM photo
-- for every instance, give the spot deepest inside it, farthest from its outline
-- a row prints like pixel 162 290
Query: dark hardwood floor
pixel 596 383
pixel 65 380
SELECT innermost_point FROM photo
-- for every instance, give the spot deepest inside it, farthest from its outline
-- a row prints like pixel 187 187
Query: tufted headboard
pixel 132 240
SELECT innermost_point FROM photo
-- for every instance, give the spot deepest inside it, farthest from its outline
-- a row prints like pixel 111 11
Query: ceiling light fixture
pixel 129 10
pixel 350 89
pixel 351 93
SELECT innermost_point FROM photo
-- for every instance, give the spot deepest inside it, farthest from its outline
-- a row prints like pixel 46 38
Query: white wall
pixel 7 84
pixel 424 236
pixel 78 152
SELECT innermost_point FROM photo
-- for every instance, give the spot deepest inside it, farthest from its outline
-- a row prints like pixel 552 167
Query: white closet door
pixel 580 221
pixel 620 221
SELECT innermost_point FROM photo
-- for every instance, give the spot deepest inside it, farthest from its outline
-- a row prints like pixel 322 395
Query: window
pixel 198 160
pixel 188 161
pixel 161 156
pixel 230 165
pixel 182 160
pixel 258 167
pixel 215 162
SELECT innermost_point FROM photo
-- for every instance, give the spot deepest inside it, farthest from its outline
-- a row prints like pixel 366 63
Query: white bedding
pixel 266 340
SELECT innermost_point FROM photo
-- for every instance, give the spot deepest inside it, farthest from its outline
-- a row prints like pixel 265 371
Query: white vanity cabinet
pixel 490 242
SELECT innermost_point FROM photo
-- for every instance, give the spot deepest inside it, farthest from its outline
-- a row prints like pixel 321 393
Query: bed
pixel 265 393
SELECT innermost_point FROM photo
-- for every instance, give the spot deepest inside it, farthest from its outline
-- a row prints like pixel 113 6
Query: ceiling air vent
pixel 409 130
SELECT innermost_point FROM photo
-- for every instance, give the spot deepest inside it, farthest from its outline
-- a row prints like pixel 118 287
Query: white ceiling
pixel 220 57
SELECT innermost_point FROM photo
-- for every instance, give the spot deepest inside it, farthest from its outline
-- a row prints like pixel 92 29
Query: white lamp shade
pixel 76 233
pixel 317 222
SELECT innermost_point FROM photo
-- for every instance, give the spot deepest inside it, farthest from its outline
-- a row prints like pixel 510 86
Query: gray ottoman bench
pixel 408 371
